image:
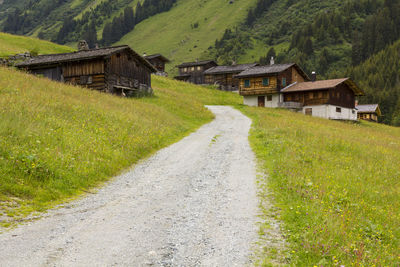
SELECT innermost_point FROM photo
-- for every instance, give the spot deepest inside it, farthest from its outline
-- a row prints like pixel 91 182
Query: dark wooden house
pixel 331 99
pixel 223 76
pixel 193 72
pixel 117 70
pixel 158 61
pixel 370 112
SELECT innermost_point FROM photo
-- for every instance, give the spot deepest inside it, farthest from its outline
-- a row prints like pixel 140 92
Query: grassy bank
pixel 57 141
pixel 337 186
pixel 13 44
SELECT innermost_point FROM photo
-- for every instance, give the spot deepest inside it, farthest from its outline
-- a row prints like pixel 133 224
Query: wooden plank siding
pixel 342 96
pixel 319 97
pixel 256 86
pixel 84 68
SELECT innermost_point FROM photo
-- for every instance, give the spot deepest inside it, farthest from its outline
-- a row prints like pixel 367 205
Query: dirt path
pixel 192 204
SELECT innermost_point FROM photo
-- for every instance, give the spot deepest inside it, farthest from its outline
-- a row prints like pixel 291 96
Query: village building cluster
pixel 283 86
pixel 120 70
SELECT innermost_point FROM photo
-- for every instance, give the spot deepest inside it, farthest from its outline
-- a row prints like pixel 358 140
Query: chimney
pixel 313 76
pixel 144 54
pixel 233 62
pixel 356 102
pixel 83 45
pixel 272 62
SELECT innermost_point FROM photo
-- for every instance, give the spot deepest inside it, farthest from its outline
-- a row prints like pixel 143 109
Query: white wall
pixel 251 101
pixel 329 112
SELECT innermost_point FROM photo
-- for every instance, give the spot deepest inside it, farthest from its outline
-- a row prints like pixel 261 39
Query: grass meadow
pixel 58 141
pixel 173 35
pixel 13 44
pixel 336 185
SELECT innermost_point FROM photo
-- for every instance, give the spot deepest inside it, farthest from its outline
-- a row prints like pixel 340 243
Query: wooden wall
pixel 257 87
pixel 225 81
pixel 342 96
pixel 316 97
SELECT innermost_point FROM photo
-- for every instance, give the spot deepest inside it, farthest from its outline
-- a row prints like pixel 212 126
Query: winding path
pixel 191 204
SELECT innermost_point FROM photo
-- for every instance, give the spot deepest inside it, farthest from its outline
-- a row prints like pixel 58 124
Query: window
pixel 308 111
pixel 266 82
pixel 289 98
pixel 353 111
pixel 283 81
pixel 184 69
pixel 325 94
pixel 269 97
pixel 198 68
pixel 246 83
pixel 315 95
pixel 192 69
pixel 310 95
pixel 338 110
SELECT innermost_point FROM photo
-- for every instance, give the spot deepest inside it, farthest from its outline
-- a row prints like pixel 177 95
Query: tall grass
pixel 57 141
pixel 337 186
pixel 13 44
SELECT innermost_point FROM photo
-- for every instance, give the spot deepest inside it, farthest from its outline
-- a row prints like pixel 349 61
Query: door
pixel 308 111
pixel 261 101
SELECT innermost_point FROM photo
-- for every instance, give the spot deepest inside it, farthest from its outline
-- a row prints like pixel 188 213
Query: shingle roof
pixel 197 63
pixel 262 70
pixel 156 56
pixel 369 108
pixel 80 55
pixel 323 84
pixel 230 69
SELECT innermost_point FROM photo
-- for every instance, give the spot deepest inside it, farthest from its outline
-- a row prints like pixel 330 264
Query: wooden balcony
pixel 256 91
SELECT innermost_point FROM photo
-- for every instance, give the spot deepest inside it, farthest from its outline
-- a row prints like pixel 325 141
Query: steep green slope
pixel 57 141
pixel 13 44
pixel 336 185
pixel 188 29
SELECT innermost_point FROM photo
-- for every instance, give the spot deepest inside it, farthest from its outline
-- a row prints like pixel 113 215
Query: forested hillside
pixel 333 38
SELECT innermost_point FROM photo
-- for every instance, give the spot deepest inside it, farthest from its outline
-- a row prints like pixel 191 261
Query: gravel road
pixel 191 204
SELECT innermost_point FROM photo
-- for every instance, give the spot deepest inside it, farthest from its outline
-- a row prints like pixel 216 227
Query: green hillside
pixel 188 29
pixel 57 141
pixel 13 44
pixel 336 186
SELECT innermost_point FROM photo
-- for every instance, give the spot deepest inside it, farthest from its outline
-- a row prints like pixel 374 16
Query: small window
pixel 338 110
pixel 266 82
pixel 184 69
pixel 269 97
pixel 246 83
pixel 283 81
pixel 192 69
pixel 353 111
pixel 315 95
pixel 198 68
pixel 325 94
pixel 310 95
pixel 289 98
pixel 308 111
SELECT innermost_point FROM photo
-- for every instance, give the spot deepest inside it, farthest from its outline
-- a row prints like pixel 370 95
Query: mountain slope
pixel 57 140
pixel 188 29
pixel 13 44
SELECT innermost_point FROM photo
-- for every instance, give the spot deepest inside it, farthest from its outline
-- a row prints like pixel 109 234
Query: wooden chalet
pixel 223 76
pixel 370 112
pixel 287 86
pixel 331 99
pixel 117 70
pixel 158 61
pixel 193 72
pixel 262 85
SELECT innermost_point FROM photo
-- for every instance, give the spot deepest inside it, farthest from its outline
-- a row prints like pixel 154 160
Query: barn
pixel 117 70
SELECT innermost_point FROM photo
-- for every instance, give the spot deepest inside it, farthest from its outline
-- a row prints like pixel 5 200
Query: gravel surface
pixel 191 204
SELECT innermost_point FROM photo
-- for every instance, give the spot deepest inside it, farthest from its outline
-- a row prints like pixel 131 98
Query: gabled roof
pixel 230 69
pixel 323 84
pixel 81 55
pixel 369 108
pixel 150 57
pixel 197 63
pixel 269 70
